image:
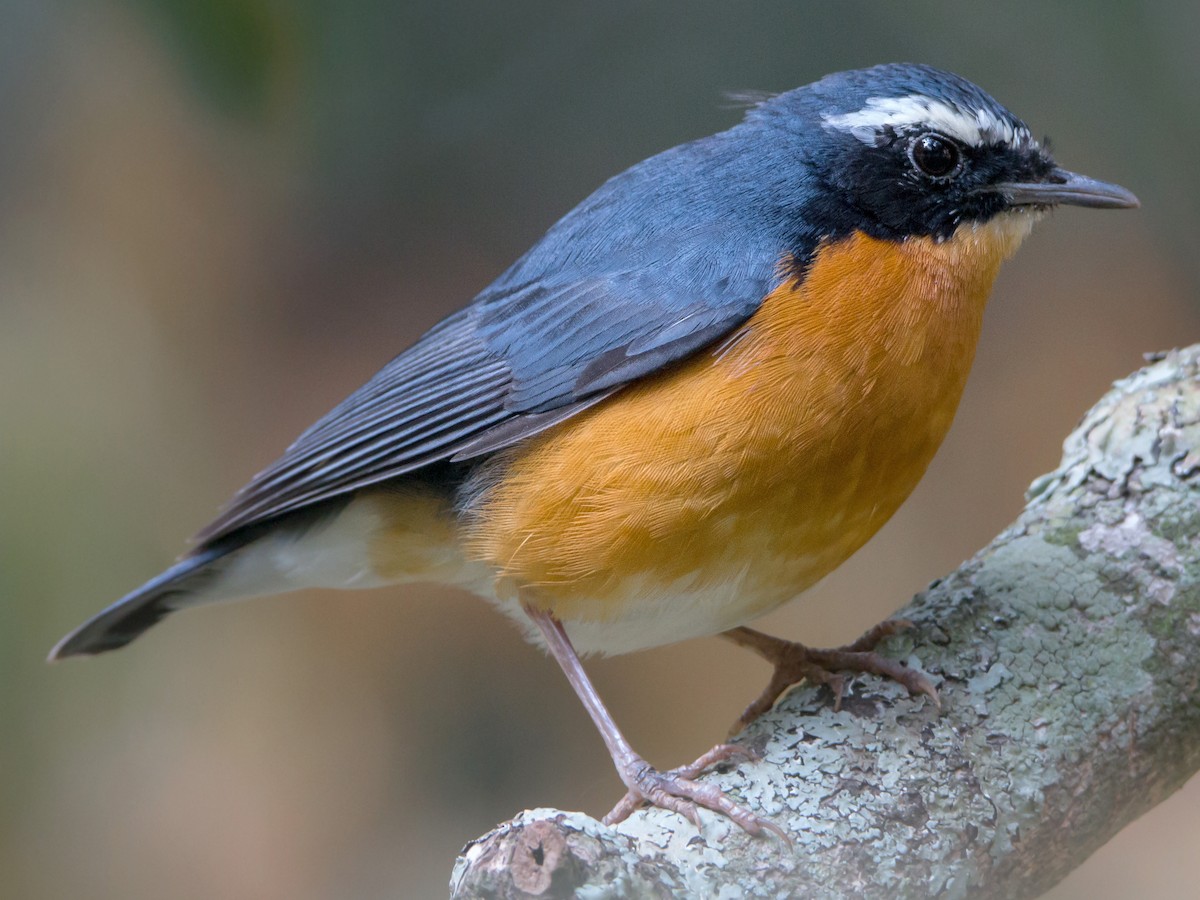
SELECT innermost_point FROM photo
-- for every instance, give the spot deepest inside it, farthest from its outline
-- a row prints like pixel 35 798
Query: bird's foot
pixel 795 662
pixel 678 791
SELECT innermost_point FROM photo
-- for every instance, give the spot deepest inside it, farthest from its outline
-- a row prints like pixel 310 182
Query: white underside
pixel 332 554
pixel 326 554
pixel 654 614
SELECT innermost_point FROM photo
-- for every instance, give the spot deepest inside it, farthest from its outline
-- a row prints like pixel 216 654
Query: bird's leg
pixel 677 789
pixel 795 662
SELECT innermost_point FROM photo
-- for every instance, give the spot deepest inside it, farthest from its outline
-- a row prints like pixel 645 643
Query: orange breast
pixel 751 470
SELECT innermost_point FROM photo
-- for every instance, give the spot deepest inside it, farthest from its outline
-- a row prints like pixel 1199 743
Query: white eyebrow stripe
pixel 975 127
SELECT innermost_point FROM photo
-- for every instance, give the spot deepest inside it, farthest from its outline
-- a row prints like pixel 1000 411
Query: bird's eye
pixel 934 155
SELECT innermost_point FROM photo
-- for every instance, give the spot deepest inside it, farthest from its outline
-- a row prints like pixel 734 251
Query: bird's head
pixel 908 150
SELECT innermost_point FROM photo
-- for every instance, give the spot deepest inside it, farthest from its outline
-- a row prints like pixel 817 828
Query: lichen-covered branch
pixel 1067 655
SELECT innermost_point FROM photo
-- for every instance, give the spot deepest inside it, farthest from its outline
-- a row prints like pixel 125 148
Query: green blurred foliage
pixel 238 52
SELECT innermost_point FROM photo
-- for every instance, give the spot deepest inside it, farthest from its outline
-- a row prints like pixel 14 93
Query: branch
pixel 1067 654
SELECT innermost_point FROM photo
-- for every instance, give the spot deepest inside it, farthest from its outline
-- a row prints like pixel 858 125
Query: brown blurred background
pixel 217 217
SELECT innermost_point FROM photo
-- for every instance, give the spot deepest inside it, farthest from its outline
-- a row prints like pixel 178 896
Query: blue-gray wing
pixel 519 359
pixel 661 261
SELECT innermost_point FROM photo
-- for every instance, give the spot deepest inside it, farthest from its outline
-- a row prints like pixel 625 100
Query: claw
pixel 795 662
pixel 678 791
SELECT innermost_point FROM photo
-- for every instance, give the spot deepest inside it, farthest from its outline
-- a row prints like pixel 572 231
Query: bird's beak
pixel 1066 187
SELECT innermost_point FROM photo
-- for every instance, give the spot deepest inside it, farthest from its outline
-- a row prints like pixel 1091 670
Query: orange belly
pixel 710 493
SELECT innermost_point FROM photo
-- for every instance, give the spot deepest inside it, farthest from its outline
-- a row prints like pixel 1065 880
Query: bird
pixel 701 391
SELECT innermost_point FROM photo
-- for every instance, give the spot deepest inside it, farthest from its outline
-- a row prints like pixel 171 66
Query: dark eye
pixel 934 155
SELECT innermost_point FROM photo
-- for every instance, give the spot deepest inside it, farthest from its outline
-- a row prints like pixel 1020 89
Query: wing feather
pixel 652 268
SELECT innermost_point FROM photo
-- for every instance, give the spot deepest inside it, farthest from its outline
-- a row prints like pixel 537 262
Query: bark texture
pixel 1067 654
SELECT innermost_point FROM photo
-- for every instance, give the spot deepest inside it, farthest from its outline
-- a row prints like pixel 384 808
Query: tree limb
pixel 1067 654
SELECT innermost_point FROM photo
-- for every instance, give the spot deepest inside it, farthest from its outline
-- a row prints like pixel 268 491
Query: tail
pixel 327 545
pixel 120 623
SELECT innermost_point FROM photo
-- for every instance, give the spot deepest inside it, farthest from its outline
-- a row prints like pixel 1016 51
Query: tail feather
pixel 120 623
pixel 328 545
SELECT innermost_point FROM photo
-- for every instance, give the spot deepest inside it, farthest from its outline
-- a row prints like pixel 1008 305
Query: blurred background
pixel 217 217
